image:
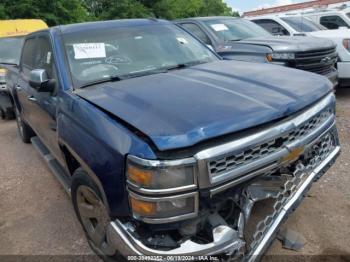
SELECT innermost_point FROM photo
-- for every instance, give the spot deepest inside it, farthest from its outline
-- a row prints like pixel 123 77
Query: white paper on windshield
pixel 48 58
pixel 219 27
pixel 89 50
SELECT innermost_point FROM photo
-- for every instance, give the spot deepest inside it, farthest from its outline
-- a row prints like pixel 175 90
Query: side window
pixel 272 26
pixel 27 60
pixel 43 58
pixel 195 30
pixel 333 22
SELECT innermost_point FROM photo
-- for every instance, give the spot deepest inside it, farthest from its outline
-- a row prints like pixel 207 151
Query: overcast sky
pixel 247 5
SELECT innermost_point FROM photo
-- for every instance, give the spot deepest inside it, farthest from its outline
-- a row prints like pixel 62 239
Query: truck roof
pixel 208 18
pixel 20 27
pixel 109 24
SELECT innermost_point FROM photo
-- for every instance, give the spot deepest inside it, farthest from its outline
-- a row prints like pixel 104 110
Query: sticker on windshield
pixel 48 58
pixel 89 50
pixel 219 27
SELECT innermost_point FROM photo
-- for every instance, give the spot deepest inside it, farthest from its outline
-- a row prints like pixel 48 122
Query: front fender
pixel 100 145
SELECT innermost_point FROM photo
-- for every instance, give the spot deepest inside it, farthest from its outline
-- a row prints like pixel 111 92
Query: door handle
pixel 18 87
pixel 32 98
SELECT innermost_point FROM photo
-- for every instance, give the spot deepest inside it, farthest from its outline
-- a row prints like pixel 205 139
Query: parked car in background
pixel 331 18
pixel 6 108
pixel 12 33
pixel 241 39
pixel 302 26
pixel 163 146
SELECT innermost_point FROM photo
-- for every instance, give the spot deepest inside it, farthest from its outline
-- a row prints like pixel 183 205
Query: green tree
pixel 55 12
pixel 172 9
pixel 215 7
pixel 105 9
pixel 3 14
pixel 52 12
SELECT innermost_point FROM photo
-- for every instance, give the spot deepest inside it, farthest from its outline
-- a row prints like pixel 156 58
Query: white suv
pixel 303 26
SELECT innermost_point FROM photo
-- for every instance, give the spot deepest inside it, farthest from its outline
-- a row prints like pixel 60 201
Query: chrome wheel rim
pixel 94 217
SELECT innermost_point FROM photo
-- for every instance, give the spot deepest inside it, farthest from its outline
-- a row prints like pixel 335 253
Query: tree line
pixel 56 12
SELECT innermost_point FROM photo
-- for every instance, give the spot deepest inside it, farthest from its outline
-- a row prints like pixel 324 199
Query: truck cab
pixel 12 34
pixel 294 25
pixel 164 147
pixel 334 18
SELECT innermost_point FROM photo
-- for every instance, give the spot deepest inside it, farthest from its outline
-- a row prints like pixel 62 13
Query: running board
pixel 53 164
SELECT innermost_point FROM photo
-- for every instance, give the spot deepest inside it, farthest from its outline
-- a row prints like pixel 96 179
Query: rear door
pixel 22 88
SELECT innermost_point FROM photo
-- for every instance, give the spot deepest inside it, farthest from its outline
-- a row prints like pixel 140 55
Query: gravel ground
pixel 37 220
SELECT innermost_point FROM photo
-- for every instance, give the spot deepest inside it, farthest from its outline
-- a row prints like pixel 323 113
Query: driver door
pixel 44 104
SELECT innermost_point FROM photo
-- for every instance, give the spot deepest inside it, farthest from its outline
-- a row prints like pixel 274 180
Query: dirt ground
pixel 37 220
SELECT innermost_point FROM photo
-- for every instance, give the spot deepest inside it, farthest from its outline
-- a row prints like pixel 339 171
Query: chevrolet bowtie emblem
pixel 326 60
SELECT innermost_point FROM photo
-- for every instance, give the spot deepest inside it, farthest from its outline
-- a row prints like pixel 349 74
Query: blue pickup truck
pixel 165 149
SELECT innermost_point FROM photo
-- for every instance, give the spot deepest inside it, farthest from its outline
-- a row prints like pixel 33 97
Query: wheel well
pixel 71 162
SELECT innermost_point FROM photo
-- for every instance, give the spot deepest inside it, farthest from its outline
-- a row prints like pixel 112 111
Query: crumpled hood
pixel 181 108
pixel 290 44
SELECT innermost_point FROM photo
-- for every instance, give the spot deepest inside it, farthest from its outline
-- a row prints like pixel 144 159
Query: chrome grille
pixel 318 153
pixel 319 61
pixel 232 161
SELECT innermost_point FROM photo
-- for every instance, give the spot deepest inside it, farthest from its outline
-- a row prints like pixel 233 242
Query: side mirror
pixel 39 80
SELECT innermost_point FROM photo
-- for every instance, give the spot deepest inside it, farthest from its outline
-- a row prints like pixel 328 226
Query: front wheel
pixel 25 132
pixel 92 214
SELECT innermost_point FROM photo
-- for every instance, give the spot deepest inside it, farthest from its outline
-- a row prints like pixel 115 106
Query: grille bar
pixel 233 161
pixel 320 62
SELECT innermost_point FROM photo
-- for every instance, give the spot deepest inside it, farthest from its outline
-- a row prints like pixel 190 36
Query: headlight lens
pixel 160 176
pixel 282 56
pixel 346 44
pixel 164 209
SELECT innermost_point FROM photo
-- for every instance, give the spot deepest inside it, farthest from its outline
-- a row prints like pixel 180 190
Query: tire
pixel 92 214
pixel 25 132
pixel 9 114
pixel 2 114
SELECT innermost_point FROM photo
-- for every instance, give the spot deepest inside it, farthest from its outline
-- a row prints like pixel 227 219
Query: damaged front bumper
pixel 226 239
pixel 316 145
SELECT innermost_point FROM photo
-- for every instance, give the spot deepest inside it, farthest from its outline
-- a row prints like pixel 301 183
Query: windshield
pixel 235 29
pixel 10 50
pixel 348 14
pixel 302 24
pixel 124 52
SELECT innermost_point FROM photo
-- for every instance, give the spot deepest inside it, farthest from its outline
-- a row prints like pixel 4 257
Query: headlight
pixel 346 44
pixel 164 209
pixel 157 178
pixel 282 56
pixel 160 177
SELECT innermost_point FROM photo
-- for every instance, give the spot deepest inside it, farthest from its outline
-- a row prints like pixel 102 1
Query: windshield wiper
pixel 235 40
pixel 5 63
pixel 184 65
pixel 104 80
pixel 143 73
